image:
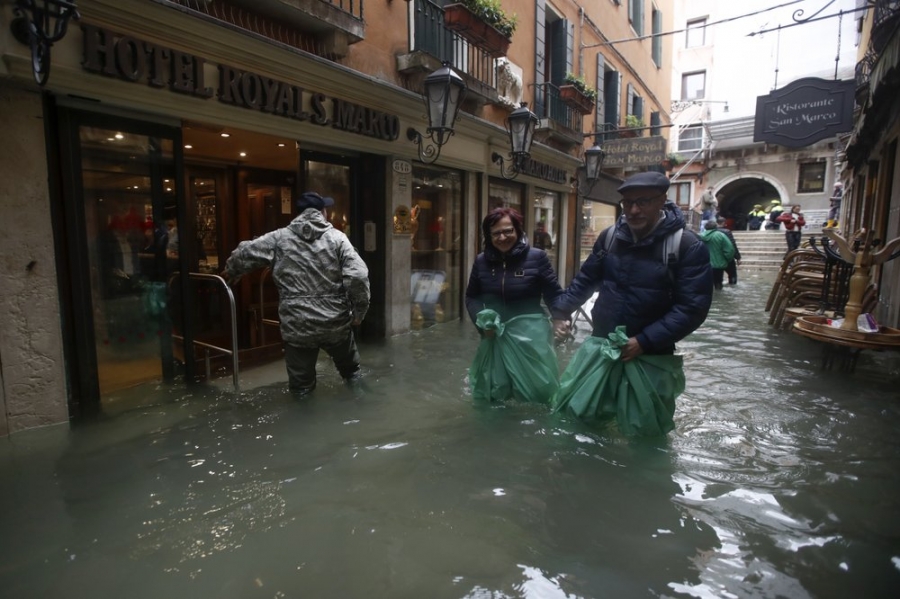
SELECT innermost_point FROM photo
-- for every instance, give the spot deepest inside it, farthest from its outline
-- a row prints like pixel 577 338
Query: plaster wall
pixel 32 369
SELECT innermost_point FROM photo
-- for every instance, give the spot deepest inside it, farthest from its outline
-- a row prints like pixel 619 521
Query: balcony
pixel 560 124
pixel 863 76
pixel 885 19
pixel 431 43
pixel 319 27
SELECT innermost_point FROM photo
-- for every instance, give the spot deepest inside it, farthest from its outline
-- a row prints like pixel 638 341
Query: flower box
pixel 474 30
pixel 576 98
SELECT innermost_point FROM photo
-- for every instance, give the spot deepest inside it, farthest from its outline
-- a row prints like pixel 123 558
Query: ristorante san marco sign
pixel 130 59
pixel 804 112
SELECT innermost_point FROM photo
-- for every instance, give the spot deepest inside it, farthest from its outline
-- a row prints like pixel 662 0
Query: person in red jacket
pixel 793 222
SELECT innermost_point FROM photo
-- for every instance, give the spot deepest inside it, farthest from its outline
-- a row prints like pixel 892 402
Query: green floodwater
pixel 780 480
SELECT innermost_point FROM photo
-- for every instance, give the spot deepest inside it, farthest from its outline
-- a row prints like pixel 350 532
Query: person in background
pixel 658 303
pixel 511 277
pixel 323 289
pixel 835 211
pixel 542 240
pixel 721 251
pixel 731 269
pixel 794 223
pixel 709 206
pixel 756 218
pixel 775 210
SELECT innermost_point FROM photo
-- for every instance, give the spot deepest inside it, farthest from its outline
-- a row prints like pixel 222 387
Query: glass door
pixel 124 220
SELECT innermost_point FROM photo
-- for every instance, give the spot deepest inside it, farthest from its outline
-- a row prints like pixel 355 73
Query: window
pixel 690 139
pixel 696 33
pixel 636 15
pixel 693 85
pixel 812 177
pixel 656 51
pixel 680 194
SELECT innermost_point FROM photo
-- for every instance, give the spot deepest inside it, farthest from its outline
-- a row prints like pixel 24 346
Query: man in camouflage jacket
pixel 323 289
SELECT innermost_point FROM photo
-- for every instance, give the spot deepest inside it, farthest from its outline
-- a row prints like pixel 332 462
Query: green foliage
pixel 492 13
pixel 581 85
pixel 633 122
pixel 674 158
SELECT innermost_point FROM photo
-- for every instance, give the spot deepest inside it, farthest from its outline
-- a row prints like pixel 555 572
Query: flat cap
pixel 651 179
pixel 311 199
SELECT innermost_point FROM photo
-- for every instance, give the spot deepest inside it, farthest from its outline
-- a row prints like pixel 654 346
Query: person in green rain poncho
pixel 515 358
pixel 721 251
pixel 654 287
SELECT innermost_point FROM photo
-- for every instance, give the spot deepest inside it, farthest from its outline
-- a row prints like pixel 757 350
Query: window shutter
pixel 600 116
pixel 629 99
pixel 540 66
pixel 560 62
pixel 657 39
pixel 612 97
pixel 655 122
pixel 639 107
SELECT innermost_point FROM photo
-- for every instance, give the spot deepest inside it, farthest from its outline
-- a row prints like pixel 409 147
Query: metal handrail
pixel 233 352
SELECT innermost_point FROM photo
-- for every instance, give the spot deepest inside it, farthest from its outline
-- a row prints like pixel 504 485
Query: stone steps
pixel 764 250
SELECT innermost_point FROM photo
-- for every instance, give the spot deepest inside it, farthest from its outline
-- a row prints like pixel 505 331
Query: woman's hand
pixel 561 329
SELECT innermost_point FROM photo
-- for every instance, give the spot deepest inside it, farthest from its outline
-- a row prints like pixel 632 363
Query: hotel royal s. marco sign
pixel 804 112
pixel 131 59
pixel 135 60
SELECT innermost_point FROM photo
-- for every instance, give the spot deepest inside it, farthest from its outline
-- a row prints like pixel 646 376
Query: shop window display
pixel 435 229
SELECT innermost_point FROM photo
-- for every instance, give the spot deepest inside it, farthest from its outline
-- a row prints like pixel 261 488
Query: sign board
pixel 634 151
pixel 804 112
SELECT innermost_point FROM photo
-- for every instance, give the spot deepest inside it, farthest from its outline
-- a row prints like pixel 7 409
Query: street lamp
pixel 593 163
pixel 444 94
pixel 520 125
pixel 40 24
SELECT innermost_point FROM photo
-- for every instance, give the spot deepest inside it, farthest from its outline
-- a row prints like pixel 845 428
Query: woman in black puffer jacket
pixel 515 357
pixel 510 277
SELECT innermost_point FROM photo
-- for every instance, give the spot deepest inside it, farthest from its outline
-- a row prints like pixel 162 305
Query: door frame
pixel 78 321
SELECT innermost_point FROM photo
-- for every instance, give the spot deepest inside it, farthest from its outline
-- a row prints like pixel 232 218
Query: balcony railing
pixel 552 107
pixel 262 18
pixel 428 34
pixel 863 75
pixel 885 18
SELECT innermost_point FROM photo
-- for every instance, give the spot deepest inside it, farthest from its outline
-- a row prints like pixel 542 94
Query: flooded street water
pixel 780 480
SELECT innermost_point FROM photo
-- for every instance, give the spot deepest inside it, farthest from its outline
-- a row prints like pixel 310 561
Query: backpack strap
pixel 609 237
pixel 672 246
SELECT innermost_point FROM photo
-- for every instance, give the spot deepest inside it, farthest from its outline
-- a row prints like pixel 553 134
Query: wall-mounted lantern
pixel 520 126
pixel 444 94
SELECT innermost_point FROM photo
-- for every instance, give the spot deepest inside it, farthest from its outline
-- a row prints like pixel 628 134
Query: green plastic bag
pixel 517 362
pixel 640 393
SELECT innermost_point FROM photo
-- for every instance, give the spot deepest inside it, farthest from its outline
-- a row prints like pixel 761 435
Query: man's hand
pixel 631 350
pixel 561 329
pixel 356 322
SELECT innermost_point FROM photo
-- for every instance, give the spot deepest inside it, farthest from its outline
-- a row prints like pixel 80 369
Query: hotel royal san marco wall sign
pixel 136 60
pixel 804 112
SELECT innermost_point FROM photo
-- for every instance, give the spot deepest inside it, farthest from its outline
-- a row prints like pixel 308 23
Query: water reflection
pixel 779 480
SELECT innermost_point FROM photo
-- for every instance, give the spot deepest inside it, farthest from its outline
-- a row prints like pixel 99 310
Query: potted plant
pixel 482 23
pixel 633 124
pixel 576 93
pixel 671 160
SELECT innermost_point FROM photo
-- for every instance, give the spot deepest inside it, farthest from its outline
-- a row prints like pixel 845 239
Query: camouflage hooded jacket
pixel 323 284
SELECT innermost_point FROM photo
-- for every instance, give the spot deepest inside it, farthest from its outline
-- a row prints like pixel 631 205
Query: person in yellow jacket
pixel 756 217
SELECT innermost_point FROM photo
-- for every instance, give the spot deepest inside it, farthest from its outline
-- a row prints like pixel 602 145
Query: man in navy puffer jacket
pixel 659 304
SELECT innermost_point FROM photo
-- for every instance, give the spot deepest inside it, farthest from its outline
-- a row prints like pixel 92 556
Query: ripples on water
pixel 780 481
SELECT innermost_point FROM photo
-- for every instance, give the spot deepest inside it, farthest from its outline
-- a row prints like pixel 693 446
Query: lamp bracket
pixel 32 25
